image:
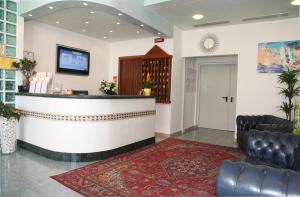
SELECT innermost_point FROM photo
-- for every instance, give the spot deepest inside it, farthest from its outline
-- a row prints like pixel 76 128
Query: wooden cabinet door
pixel 130 75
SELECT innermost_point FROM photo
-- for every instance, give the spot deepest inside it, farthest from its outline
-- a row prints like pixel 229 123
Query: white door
pixel 217 97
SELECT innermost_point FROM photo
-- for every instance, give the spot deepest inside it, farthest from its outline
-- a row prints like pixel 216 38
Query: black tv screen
pixel 73 61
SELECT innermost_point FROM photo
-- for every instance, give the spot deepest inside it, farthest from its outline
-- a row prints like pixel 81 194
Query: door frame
pixel 228 59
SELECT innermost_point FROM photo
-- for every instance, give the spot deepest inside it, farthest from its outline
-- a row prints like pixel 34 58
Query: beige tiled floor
pixel 210 136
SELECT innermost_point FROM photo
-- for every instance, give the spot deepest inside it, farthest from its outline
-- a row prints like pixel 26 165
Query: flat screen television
pixel 72 61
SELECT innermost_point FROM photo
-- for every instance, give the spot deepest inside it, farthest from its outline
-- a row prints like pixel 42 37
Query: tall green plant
pixel 26 66
pixel 289 79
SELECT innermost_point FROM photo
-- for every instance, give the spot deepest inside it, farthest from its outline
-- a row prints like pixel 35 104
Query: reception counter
pixel 84 128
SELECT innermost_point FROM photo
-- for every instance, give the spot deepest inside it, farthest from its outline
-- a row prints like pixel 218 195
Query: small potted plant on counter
pixel 26 67
pixel 108 87
pixel 8 121
pixel 147 85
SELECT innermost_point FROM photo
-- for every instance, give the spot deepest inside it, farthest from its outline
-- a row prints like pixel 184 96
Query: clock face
pixel 209 43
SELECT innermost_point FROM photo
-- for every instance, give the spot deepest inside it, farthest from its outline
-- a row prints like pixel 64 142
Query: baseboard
pixel 83 157
pixel 162 135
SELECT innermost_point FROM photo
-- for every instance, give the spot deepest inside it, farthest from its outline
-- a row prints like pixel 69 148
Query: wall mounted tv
pixel 72 61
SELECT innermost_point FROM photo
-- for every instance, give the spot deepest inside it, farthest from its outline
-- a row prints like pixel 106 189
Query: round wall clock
pixel 209 43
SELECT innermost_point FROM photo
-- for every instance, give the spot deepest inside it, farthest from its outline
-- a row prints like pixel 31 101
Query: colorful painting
pixel 277 57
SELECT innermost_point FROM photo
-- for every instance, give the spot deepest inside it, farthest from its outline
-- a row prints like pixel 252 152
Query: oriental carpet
pixel 173 167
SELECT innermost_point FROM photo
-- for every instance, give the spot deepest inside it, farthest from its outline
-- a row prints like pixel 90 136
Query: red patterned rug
pixel 172 167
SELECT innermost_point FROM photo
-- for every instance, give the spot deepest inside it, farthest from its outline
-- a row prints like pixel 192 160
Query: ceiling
pixel 180 12
pixel 106 24
pixel 100 25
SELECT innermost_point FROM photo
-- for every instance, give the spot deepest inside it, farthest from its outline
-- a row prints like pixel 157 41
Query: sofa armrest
pixel 243 179
pixel 244 124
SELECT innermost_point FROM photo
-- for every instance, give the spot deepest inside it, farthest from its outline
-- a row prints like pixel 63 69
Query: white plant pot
pixel 8 135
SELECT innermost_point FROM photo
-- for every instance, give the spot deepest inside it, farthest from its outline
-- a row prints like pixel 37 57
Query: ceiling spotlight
pixel 118 23
pixel 120 14
pixel 85 3
pixel 51 7
pixel 105 37
pixel 30 15
pixel 198 16
pixel 158 33
pixel 83 30
pixel 138 32
pixel 142 25
pixel 87 22
pixel 92 12
pixel 111 31
pixel 295 2
pixel 57 22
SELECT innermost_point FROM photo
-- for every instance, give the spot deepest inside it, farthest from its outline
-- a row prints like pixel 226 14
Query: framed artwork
pixel 277 57
pixel 28 55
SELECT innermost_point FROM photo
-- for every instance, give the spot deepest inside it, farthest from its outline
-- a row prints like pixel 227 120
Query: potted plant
pixel 108 87
pixel 147 85
pixel 26 67
pixel 8 121
pixel 289 79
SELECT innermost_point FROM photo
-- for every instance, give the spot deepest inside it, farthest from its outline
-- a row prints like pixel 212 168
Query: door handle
pixel 226 98
pixel 231 99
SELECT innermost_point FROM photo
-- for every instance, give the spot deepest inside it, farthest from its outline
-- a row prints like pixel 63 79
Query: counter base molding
pixel 83 157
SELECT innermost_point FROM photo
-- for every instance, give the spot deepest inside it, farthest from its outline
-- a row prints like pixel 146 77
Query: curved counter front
pixel 84 128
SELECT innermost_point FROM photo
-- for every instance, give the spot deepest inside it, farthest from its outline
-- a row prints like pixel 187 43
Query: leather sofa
pixel 265 122
pixel 243 179
pixel 281 150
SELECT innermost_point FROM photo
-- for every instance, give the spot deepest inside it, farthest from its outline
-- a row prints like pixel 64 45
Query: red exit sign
pixel 160 39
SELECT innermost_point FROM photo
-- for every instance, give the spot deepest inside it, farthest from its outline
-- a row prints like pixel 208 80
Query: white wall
pixel 42 39
pixel 141 47
pixel 132 48
pixel 257 93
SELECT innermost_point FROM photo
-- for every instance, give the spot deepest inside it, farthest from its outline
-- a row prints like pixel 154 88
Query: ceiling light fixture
pixel 104 37
pixel 197 16
pixel 142 25
pixel 85 3
pixel 83 30
pixel 158 33
pixel 138 32
pixel 92 12
pixel 30 15
pixel 111 31
pixel 51 7
pixel 87 22
pixel 295 2
pixel 118 23
pixel 120 14
pixel 57 22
